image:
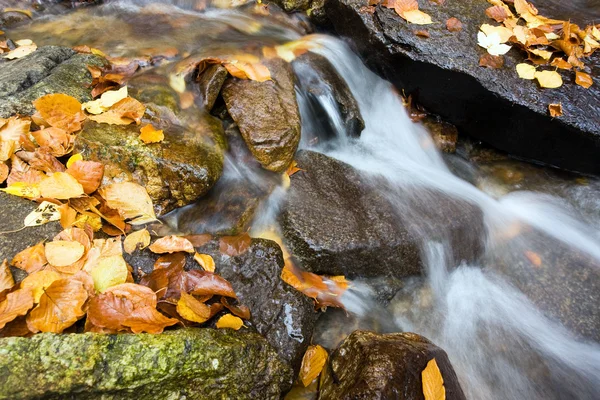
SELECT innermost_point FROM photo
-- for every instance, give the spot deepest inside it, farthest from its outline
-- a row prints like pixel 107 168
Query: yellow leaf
pixel 312 364
pixel 526 71
pixel 131 201
pixel 177 82
pixel 18 10
pixel 40 281
pixel 46 212
pixel 60 185
pixel 549 79
pixel 22 189
pixel 88 218
pixel 205 261
pixel 20 52
pixel 417 17
pixel 62 253
pixel 433 382
pixel 545 54
pixel 73 159
pixel 148 134
pixel 192 309
pixel 106 101
pixel 229 321
pixel 555 110
pixel 110 271
pixel 138 239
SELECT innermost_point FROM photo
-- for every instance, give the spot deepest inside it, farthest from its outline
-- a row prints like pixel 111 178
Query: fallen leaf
pixel 583 79
pixel 454 25
pixel 541 53
pixel 61 185
pixel 6 279
pixel 245 70
pixel 234 245
pixel 61 253
pixel 16 304
pixel 31 259
pixel 205 261
pixel 497 13
pixel 68 216
pixel 148 134
pixel 88 173
pixel 561 63
pixel 124 112
pixel 3 172
pixel 40 281
pixel 490 61
pixel 171 244
pixel 61 111
pixel 136 240
pixel 46 212
pixel 503 33
pixel 73 159
pixel 526 71
pixel 22 189
pixel 534 258
pixel 229 321
pixel 58 141
pixel 549 79
pixel 237 310
pixel 14 128
pixel 204 283
pixel 492 43
pixel 193 310
pixel 422 33
pixel 313 362
pixel 433 382
pixel 523 7
pixel 110 271
pixel 417 17
pixel 106 101
pixel 20 52
pixel 131 201
pixel 60 306
pixel 18 10
pixel 555 110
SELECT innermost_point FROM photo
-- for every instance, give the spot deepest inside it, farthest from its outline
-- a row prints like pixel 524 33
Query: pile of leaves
pixel 17 49
pixel 547 42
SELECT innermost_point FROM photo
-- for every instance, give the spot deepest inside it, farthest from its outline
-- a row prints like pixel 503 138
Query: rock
pixel 320 81
pixel 185 363
pixel 284 316
pixel 267 115
pixel 210 83
pixel 336 222
pixel 49 69
pixel 443 70
pixel 444 135
pixel 376 367
pixel 313 8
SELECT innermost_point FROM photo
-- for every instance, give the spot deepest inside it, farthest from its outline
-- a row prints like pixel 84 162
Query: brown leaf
pixel 454 25
pixel 199 240
pixel 22 172
pixel 61 253
pixel 40 281
pixel 171 244
pixel 237 310
pixel 61 111
pixel 583 79
pixel 422 33
pixel 128 306
pixel 490 61
pixel 555 110
pixel 88 173
pixel 16 304
pixel 31 259
pixel 497 13
pixel 61 305
pixel 433 382
pixel 56 140
pixel 235 245
pixel 312 364
pixel 193 310
pixel 204 283
pixel 6 279
pixel 124 112
pixel 523 7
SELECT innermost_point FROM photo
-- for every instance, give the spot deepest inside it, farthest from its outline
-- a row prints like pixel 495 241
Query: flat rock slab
pixel 383 367
pixel 185 363
pixel 337 223
pixel 495 105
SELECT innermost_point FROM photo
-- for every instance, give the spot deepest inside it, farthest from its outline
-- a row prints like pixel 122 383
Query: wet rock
pixel 49 69
pixel 444 135
pixel 313 8
pixel 210 83
pixel 320 81
pixel 443 72
pixel 372 366
pixel 185 363
pixel 284 316
pixel 267 115
pixel 337 222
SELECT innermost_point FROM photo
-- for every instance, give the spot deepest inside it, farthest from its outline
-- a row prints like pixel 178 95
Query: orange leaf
pixel 57 140
pixel 60 185
pixel 60 307
pixel 40 281
pixel 205 261
pixel 62 253
pixel 31 259
pixel 88 173
pixel 490 61
pixel 583 79
pixel 237 310
pixel 555 110
pixel 6 279
pixel 61 111
pixel 534 258
pixel 192 309
pixel 246 70
pixel 235 245
pixel 3 172
pixel 123 112
pixel 67 216
pixel 229 321
pixel 16 303
pixel 454 25
pixel 148 134
pixel 312 364
pixel 433 382
pixel 171 244
pixel 203 283
pixel 497 13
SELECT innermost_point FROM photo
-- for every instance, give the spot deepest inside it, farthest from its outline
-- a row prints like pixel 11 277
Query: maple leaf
pixel 229 321
pixel 60 306
pixel 60 111
pixel 171 244
pixel 15 304
pixel 313 362
pixel 89 174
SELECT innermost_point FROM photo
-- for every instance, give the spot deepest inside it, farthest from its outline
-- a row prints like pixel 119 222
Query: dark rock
pixel 322 84
pixel 267 115
pixel 377 367
pixel 444 135
pixel 210 83
pixel 284 316
pixel 49 69
pixel 337 222
pixel 494 105
pixel 185 363
pixel 313 8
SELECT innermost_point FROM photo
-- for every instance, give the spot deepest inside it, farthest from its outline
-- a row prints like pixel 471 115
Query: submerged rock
pixel 49 69
pixel 185 363
pixel 267 115
pixel 443 70
pixel 337 222
pixel 210 83
pixel 377 367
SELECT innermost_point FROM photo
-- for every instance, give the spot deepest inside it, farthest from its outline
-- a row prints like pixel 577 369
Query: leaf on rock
pixel 60 306
pixel 136 240
pixel 205 261
pixel 504 33
pixel 549 79
pixel 583 79
pixel 62 253
pixel 61 111
pixel 124 112
pixel 6 279
pixel 193 310
pixel 433 382
pixel 497 13
pixel 46 212
pixel 131 201
pixel 204 283
pixel 58 141
pixel 534 258
pixel 106 101
pixel 454 25
pixel 22 189
pixel 312 364
pixel 523 8
pixel 490 61
pixel 31 259
pixel 16 304
pixel 526 71
pixel 13 128
pixel 417 17
pixel 60 185
pixel 110 271
pixel 240 310
pixel 555 110
pixel 229 321
pixel 3 172
pixel 246 70
pixel 149 134
pixel 234 245
pixel 492 43
pixel 20 51
pixel 74 158
pixel 561 63
pixel 171 244
pixel 40 281
pixel 88 173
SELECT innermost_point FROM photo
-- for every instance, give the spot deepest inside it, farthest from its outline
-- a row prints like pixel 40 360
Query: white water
pixel 500 344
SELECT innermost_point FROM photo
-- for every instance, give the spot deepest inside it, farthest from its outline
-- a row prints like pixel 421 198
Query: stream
pixel 500 343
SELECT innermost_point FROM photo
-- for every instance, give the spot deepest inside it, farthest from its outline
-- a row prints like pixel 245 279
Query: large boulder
pixel 377 367
pixel 335 222
pixel 284 316
pixel 49 69
pixel 443 72
pixel 185 363
pixel 267 115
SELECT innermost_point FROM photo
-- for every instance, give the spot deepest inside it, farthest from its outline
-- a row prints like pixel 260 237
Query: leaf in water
pixel 31 259
pixel 40 281
pixel 18 10
pixel 583 79
pixel 148 134
pixel 433 382
pixel 193 310
pixel 61 111
pixel 60 185
pixel 454 25
pixel 136 240
pixel 110 271
pixel 312 364
pixel 62 253
pixel 526 71
pixel 130 200
pixel 534 258
pixel 6 279
pixel 171 244
pixel 16 304
pixel 549 79
pixel 205 261
pixel 60 306
pixel 229 321
pixel 555 110
pixel 234 245
pixel 88 173
pixel 46 212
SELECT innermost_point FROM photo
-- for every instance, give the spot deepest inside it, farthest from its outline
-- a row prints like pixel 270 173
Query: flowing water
pixel 501 345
